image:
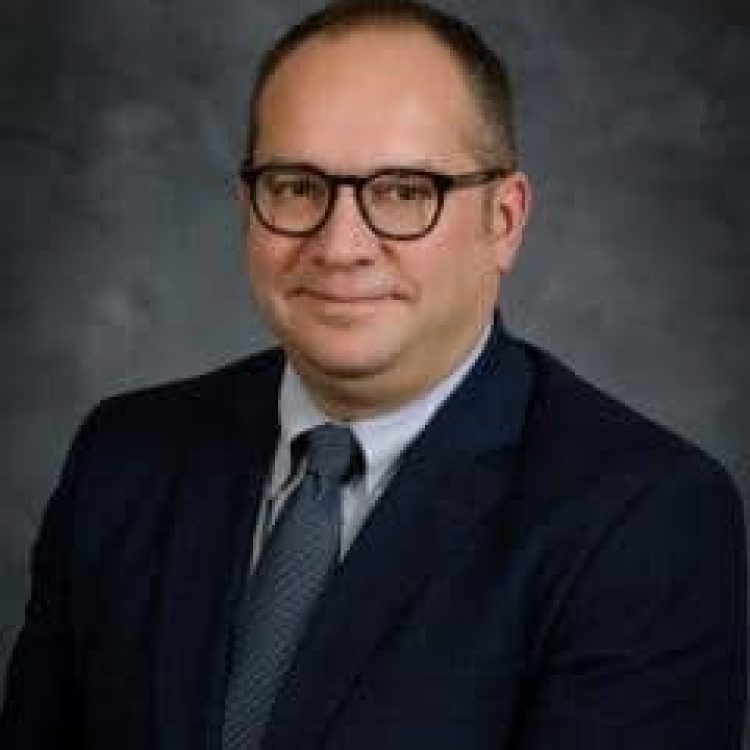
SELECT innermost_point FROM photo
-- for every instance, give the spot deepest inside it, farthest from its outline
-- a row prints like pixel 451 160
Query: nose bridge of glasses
pixel 353 181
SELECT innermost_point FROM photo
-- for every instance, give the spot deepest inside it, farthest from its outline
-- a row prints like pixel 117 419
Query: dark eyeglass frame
pixel 444 183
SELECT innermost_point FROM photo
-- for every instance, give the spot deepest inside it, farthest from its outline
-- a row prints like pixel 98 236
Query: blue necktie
pixel 302 550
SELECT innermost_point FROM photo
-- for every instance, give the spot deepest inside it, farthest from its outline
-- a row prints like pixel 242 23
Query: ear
pixel 240 191
pixel 511 206
pixel 242 202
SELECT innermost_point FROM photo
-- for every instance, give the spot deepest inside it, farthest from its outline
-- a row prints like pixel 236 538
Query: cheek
pixel 266 259
pixel 456 264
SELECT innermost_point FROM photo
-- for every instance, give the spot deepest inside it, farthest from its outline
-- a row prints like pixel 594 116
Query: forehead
pixel 369 96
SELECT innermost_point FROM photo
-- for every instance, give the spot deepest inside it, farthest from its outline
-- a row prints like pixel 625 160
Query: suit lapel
pixel 398 552
pixel 459 470
pixel 215 506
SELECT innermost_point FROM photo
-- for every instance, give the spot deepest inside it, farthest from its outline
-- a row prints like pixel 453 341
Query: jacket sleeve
pixel 40 706
pixel 649 648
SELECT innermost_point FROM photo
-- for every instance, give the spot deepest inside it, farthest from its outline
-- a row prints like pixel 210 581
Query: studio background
pixel 121 122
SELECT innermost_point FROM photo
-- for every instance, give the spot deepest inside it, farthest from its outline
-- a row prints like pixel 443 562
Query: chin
pixel 336 357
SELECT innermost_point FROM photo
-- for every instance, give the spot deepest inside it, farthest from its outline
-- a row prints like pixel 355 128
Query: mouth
pixel 343 298
pixel 343 308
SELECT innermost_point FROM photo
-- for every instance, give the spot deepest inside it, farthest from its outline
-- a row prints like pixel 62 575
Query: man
pixel 502 556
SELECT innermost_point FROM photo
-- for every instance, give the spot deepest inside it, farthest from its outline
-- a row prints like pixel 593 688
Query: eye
pixel 401 189
pixel 293 186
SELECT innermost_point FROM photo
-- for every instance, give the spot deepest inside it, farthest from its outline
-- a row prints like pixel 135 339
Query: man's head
pixel 486 76
pixel 379 298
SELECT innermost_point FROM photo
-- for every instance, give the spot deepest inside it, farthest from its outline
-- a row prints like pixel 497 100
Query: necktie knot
pixel 332 453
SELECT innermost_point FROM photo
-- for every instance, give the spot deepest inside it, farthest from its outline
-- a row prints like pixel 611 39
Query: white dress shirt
pixel 382 439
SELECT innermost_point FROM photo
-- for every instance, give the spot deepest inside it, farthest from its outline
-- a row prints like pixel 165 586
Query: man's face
pixel 368 322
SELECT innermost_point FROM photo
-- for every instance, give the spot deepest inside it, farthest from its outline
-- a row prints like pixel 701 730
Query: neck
pixel 351 398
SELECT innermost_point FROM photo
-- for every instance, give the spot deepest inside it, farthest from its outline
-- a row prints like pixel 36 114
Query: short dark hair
pixel 485 72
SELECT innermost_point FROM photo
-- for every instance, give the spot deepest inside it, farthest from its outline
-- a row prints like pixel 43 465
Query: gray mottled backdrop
pixel 121 119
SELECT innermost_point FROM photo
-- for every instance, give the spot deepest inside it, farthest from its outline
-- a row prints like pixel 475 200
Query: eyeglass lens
pixel 297 200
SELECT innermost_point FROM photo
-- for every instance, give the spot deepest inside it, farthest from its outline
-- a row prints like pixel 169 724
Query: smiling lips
pixel 344 297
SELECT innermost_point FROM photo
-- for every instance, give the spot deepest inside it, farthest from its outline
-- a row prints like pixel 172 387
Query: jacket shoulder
pixel 578 432
pixel 146 427
pixel 643 562
pixel 217 397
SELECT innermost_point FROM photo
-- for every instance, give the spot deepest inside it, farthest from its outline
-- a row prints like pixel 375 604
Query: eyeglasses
pixel 296 200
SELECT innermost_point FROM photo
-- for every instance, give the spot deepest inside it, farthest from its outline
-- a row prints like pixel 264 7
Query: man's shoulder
pixel 564 399
pixel 578 432
pixel 215 399
pixel 591 468
pixel 132 447
pixel 220 383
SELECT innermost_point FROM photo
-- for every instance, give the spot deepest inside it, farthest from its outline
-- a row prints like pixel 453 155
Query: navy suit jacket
pixel 546 570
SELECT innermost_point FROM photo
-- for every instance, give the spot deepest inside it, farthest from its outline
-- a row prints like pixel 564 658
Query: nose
pixel 345 239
